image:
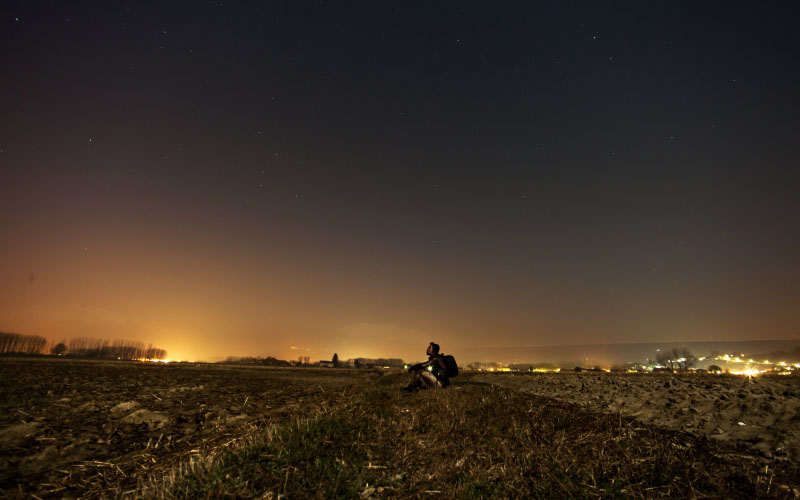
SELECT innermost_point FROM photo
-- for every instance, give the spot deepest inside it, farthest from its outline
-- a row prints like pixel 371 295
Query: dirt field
pixel 761 413
pixel 73 429
pixel 81 428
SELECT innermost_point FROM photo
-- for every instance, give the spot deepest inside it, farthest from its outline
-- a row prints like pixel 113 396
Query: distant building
pixel 326 364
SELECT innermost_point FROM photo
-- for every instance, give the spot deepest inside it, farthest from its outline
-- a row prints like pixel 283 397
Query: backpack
pixel 452 366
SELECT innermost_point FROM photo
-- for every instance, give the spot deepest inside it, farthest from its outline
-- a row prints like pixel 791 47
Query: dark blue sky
pixel 241 177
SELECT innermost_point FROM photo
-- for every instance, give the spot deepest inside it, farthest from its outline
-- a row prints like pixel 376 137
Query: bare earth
pixel 762 413
pixel 96 429
pixel 84 428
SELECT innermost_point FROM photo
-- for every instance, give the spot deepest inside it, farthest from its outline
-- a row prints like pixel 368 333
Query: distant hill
pixel 610 354
pixel 792 356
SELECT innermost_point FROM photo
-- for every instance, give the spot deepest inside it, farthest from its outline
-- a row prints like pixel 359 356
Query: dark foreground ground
pixel 91 430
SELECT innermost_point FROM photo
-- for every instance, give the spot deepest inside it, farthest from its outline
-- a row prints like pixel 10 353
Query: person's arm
pixel 420 366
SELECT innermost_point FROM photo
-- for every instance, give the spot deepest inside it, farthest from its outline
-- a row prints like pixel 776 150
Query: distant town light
pixel 750 372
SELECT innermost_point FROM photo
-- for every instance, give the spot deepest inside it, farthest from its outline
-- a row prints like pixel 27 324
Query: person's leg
pixel 416 381
pixel 429 380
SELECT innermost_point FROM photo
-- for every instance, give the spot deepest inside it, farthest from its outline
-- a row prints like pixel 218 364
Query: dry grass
pixel 472 440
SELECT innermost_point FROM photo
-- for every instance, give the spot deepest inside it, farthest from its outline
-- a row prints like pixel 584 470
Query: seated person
pixel 431 373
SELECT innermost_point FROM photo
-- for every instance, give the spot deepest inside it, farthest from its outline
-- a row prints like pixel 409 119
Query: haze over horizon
pixel 365 178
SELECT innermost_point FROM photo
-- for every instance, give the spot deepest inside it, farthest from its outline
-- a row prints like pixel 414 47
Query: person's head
pixel 433 348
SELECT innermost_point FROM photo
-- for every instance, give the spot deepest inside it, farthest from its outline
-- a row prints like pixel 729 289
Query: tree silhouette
pixel 21 344
pixel 684 358
pixel 335 360
pixel 680 358
pixel 664 358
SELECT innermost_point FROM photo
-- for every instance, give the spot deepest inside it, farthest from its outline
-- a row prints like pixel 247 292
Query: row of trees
pixel 86 347
pixel 18 343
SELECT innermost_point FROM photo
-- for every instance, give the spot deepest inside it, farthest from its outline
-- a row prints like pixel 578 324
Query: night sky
pixel 235 178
